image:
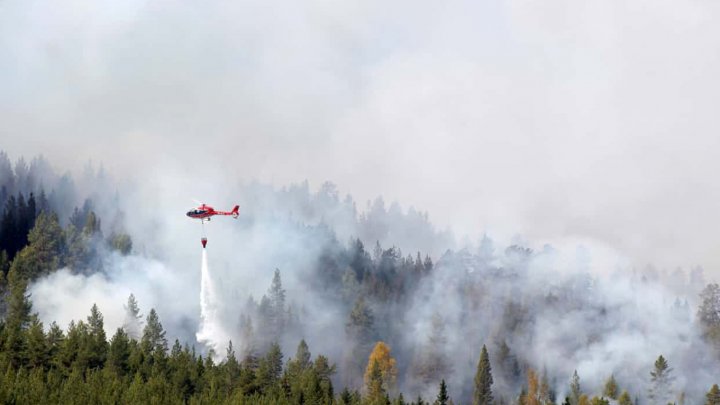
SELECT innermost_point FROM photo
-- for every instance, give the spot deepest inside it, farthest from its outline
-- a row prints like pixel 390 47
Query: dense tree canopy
pixel 372 289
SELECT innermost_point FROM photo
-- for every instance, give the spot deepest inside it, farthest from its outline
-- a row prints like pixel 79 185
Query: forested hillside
pixel 368 306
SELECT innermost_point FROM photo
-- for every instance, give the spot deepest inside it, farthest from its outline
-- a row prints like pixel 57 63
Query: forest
pixel 381 308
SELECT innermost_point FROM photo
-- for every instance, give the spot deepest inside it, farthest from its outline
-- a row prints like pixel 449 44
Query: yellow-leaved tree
pixel 381 373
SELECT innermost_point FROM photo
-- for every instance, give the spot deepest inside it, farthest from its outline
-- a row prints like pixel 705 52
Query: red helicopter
pixel 204 212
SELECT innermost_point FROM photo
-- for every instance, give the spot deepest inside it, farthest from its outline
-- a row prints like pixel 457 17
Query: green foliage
pixel 153 339
pixel 624 398
pixel 18 217
pixel 483 380
pixel 709 313
pixel 270 369
pixel 442 397
pixel 43 254
pixel 97 342
pixel 713 396
pixel 121 242
pixel 82 367
pixel 611 388
pixel 661 380
pixel 17 319
pixel 118 360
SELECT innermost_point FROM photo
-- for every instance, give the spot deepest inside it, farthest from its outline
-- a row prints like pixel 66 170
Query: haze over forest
pixel 416 181
pixel 559 121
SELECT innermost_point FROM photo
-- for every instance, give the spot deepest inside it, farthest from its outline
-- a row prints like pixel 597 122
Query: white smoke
pixel 64 296
pixel 211 331
pixel 603 320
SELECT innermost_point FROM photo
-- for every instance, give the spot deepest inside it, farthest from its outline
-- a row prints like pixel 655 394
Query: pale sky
pixel 558 120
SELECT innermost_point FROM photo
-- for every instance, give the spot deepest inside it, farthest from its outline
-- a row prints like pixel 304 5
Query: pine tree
pixel 660 381
pixel 713 396
pixel 17 320
pixel 508 364
pixel 360 326
pixel 709 313
pixel 121 242
pixel 133 319
pixel 37 348
pixel 443 397
pixel 270 368
pixel 428 264
pixel 276 294
pixel 324 371
pixel 43 253
pixel 231 362
pixel 345 397
pixel 9 229
pixel 611 388
pixel 119 353
pixel 153 339
pixel 625 399
pixel 483 380
pixel 360 330
pixel 302 356
pixel 575 391
pixel 418 267
pixel 98 340
pixel 55 338
pixel 432 363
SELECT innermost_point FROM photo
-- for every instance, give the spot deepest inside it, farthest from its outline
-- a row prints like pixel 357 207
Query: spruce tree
pixel 443 397
pixel 483 380
pixel 153 339
pixel 55 338
pixel 37 347
pixel 98 340
pixel 360 331
pixel 432 363
pixel 43 254
pixel 611 389
pixel 133 319
pixel 660 381
pixel 709 313
pixel 575 391
pixel 276 295
pixel 270 368
pixel 302 356
pixel 625 399
pixel 713 396
pixel 17 319
pixel 119 353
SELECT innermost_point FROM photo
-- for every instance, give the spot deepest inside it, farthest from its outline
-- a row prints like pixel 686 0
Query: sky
pixel 560 120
